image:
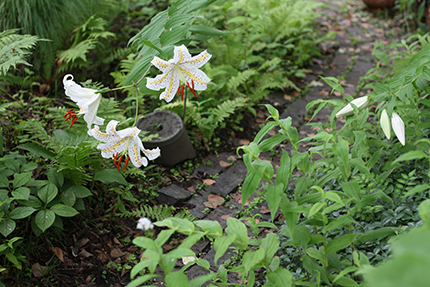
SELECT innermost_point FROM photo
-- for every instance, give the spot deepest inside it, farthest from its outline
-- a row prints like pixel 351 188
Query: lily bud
pixel 398 127
pixel 360 103
pixel 385 124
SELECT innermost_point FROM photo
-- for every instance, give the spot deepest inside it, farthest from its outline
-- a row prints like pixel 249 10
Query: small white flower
pixel 144 224
pixel 398 127
pixel 385 124
pixel 86 99
pixel 126 141
pixel 360 103
pixel 182 68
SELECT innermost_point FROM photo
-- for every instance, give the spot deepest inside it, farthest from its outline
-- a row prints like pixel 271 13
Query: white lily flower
pixel 182 68
pixel 385 124
pixel 144 224
pixel 398 127
pixel 125 141
pixel 360 103
pixel 86 99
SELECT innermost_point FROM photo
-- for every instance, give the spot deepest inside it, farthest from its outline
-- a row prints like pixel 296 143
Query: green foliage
pixel 85 39
pixel 207 120
pixel 14 48
pixel 37 18
pixel 155 212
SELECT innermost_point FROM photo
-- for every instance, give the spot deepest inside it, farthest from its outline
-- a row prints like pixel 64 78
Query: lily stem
pixel 185 104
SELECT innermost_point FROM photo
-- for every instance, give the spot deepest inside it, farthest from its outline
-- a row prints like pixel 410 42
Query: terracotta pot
pixel 173 140
pixel 376 4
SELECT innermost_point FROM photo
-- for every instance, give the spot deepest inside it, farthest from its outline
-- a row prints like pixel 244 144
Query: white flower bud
pixel 398 127
pixel 385 124
pixel 360 103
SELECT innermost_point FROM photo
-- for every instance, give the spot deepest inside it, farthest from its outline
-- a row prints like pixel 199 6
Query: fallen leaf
pixel 237 197
pixel 116 253
pixel 225 216
pixel 37 270
pixel 224 163
pixel 209 181
pixel 264 210
pixel 58 252
pixel 324 93
pixel 244 142
pixel 84 254
pixel 271 133
pixel 214 201
pixel 288 97
pixel 337 93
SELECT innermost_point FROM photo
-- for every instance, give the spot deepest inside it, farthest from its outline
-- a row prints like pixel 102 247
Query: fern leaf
pixel 14 48
pixel 240 79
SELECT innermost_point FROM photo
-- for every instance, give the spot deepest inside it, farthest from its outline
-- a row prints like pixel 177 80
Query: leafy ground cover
pixel 344 192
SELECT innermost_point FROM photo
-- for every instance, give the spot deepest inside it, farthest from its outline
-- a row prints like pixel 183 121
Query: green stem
pixel 185 104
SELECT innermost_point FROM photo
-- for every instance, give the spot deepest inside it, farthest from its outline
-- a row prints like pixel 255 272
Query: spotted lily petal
pixel 360 103
pixel 385 124
pixel 127 140
pixel 182 68
pixel 86 99
pixel 398 127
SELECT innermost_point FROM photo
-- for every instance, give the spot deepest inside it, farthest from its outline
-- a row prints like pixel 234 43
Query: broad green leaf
pixel 21 179
pixel 32 201
pixel 221 244
pixel 273 197
pixel 270 143
pixel 64 210
pixel 344 272
pixel 315 208
pixel 22 193
pixel 191 240
pixel 145 243
pixel 47 193
pixel 415 154
pixel 175 35
pixel 377 234
pixel 314 253
pixel 56 178
pixel 181 225
pixel 283 172
pixel 180 252
pixel 68 198
pixel 7 226
pixel 142 279
pixel 213 228
pixel 417 189
pixel 110 176
pixel 176 279
pixel 37 149
pixel 270 244
pixel 250 184
pixel 424 211
pixel 340 242
pixel 199 281
pixel 163 236
pixel 344 220
pixel 80 191
pixel 280 277
pixel 302 236
pixel 14 260
pixel 44 219
pixel 352 189
pixel 207 31
pixel 238 229
pixel 21 212
pixel 252 258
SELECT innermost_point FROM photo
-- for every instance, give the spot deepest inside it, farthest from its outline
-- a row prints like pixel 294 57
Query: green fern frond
pixel 270 64
pixel 240 79
pixel 77 52
pixel 156 213
pixel 14 48
pixel 227 108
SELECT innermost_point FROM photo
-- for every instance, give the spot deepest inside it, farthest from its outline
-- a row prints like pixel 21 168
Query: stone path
pixel 348 59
